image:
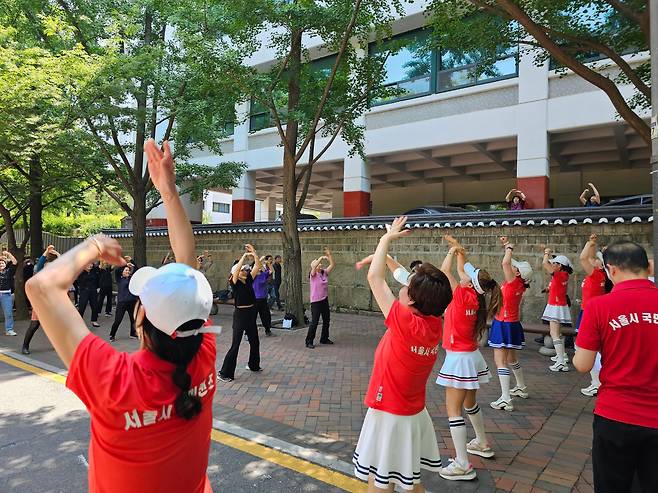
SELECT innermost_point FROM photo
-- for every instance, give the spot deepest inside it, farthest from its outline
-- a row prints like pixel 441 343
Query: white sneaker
pixel 476 448
pixel 10 333
pixel 558 367
pixel 501 403
pixel 519 392
pixel 590 391
pixel 566 359
pixel 456 472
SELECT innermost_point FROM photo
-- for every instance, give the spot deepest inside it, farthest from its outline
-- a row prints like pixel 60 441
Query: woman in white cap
pixel 244 315
pixel 594 284
pixel 557 311
pixel 464 368
pixel 151 411
pixel 506 334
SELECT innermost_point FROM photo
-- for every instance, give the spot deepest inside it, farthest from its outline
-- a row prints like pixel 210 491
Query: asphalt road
pixel 44 434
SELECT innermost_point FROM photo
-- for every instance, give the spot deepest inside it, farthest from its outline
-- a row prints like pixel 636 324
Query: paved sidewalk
pixel 314 398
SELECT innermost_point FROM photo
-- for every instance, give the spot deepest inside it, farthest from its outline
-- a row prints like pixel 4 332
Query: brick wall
pixel 349 287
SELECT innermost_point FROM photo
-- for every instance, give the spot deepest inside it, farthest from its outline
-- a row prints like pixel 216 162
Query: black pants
pixel 319 308
pixel 105 293
pixel 264 314
pixel 244 321
pixel 620 452
pixel 275 296
pixel 122 308
pixel 88 296
pixel 29 334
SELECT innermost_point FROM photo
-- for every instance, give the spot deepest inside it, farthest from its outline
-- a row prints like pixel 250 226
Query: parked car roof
pixel 645 199
pixel 429 210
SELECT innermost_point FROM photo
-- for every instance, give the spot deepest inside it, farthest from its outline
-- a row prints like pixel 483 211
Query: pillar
pixel 533 157
pixel 243 207
pixel 268 211
pixel 356 187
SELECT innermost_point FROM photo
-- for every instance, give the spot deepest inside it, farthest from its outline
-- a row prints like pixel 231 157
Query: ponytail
pixel 485 313
pixel 180 351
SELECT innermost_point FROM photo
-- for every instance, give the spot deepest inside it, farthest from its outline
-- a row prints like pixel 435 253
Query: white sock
pixel 504 377
pixel 477 421
pixel 595 378
pixel 559 349
pixel 458 434
pixel 518 374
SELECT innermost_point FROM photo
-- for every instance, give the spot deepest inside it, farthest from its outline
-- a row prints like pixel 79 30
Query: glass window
pixel 460 69
pixel 409 69
pixel 221 207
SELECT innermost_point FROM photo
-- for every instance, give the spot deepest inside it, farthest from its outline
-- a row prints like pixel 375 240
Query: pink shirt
pixel 319 286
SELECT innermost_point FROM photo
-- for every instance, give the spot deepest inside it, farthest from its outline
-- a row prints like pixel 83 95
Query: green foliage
pixel 82 225
pixel 583 29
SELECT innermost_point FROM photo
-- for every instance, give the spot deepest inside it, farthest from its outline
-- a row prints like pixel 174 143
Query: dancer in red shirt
pixel 557 311
pixel 464 368
pixel 151 411
pixel 397 438
pixel 506 334
pixel 595 284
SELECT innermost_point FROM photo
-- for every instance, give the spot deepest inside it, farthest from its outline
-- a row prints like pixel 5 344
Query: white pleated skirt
pixel 464 370
pixel 394 448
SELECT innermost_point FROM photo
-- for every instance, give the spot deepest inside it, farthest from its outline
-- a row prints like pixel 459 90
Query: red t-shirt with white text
pixel 557 289
pixel 512 296
pixel 404 360
pixel 138 443
pixel 460 319
pixel 623 327
pixel 593 286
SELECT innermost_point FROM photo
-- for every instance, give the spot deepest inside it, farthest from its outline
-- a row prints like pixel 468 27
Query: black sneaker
pixel 328 341
pixel 112 338
pixel 269 333
pixel 539 340
pixel 25 350
pixel 310 346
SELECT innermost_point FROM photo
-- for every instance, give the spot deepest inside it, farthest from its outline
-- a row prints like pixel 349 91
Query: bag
pixel 224 295
pixel 289 321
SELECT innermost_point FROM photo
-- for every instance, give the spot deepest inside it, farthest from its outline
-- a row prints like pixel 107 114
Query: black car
pixel 433 210
pixel 646 199
pixel 299 216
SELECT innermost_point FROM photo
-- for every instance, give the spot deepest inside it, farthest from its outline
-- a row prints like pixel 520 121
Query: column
pixel 243 208
pixel 356 187
pixel 533 157
pixel 268 211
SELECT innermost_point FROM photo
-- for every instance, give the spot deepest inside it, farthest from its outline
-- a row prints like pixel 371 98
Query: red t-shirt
pixel 557 289
pixel 623 327
pixel 460 319
pixel 512 296
pixel 138 443
pixel 593 286
pixel 404 360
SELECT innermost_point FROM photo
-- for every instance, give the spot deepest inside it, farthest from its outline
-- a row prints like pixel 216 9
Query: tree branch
pixel 307 181
pixel 108 155
pixel 640 17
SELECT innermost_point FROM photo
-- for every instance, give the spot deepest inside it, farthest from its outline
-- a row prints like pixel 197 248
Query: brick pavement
pixel 314 398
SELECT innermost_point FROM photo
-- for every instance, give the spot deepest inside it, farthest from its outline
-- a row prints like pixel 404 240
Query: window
pixel 460 69
pixel 410 69
pixel 228 128
pixel 221 207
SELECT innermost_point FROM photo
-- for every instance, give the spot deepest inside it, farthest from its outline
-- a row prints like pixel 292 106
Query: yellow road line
pixel 282 459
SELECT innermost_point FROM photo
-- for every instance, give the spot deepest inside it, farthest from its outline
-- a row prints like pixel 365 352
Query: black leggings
pixel 122 308
pixel 29 334
pixel 264 313
pixel 244 321
pixel 88 296
pixel 105 293
pixel 319 308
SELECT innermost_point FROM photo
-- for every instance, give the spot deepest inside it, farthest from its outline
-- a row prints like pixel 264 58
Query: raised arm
pixel 588 254
pixel 521 194
pixel 258 266
pixel 508 197
pixel 48 293
pixel 545 261
pixel 330 258
pixel 236 274
pixel 583 196
pixel 446 266
pixel 595 192
pixel 508 271
pixel 391 263
pixel 11 258
pixel 161 168
pixel 377 272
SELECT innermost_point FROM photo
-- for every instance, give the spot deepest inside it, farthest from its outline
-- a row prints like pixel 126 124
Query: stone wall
pixel 349 287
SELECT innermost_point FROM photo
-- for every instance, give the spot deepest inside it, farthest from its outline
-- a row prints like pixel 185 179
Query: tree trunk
pixel 139 228
pixel 20 299
pixel 292 251
pixel 36 207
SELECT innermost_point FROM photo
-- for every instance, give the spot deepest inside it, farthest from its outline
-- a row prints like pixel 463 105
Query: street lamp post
pixel 653 22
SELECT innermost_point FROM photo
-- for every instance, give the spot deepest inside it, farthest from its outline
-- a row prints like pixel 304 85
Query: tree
pixel 146 86
pixel 310 103
pixel 572 32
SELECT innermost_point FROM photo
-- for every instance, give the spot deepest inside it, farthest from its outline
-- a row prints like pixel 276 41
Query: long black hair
pixel 179 351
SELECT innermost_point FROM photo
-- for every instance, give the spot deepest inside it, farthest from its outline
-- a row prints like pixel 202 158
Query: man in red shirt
pixel 623 327
pixel 151 411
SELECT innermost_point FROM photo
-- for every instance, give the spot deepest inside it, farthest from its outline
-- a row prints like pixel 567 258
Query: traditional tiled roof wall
pixel 564 230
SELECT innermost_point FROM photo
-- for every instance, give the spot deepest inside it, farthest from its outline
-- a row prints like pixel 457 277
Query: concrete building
pixel 455 140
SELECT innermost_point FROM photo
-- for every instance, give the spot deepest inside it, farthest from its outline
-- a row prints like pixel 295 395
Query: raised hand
pixel 504 240
pixel 249 248
pixel 593 238
pixel 108 248
pixel 397 228
pixel 161 167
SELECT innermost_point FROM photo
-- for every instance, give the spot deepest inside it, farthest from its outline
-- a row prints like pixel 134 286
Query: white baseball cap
pixel 473 273
pixel 524 269
pixel 246 267
pixel 562 260
pixel 173 295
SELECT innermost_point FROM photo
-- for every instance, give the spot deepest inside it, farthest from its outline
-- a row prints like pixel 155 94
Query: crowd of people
pixel 151 408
